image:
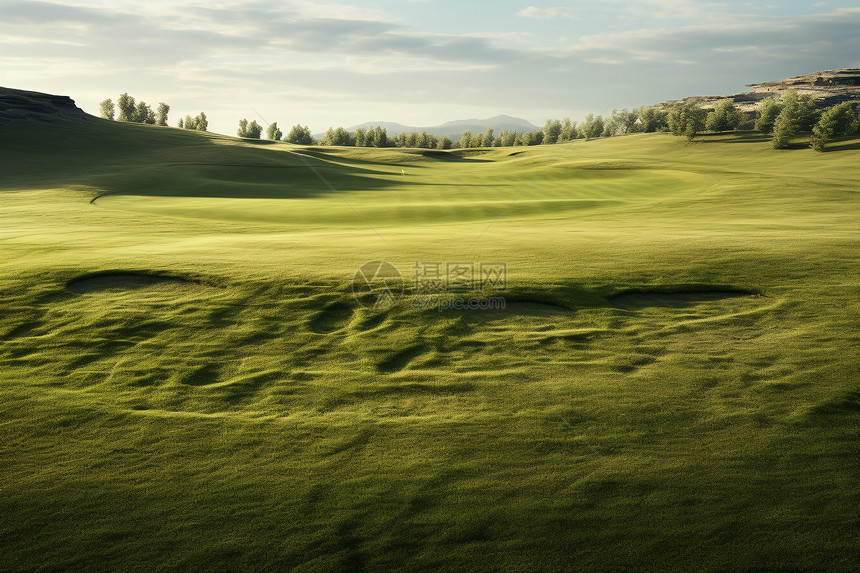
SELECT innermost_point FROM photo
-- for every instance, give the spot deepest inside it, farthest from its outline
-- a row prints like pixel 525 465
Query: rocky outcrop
pixel 19 105
pixel 827 88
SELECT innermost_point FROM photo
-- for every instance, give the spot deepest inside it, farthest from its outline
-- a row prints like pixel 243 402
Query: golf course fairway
pixel 189 383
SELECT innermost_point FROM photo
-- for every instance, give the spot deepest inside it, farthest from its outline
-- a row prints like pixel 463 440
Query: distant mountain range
pixel 451 129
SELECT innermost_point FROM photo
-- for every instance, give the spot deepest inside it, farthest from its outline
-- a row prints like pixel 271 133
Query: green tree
pixel 610 127
pixel 273 132
pixel 181 124
pixel 508 138
pixel 585 126
pixel 620 122
pixel 784 130
pixel 488 138
pixel 725 117
pixel 107 109
pixel 798 114
pixel 532 138
pixel 338 136
pixel 190 122
pixel 695 122
pixel 651 119
pixel 143 114
pixel 551 131
pixel 201 122
pixel 766 114
pixel 466 138
pixel 592 126
pixel 161 116
pixel 568 130
pixel 686 119
pixel 126 106
pixel 627 121
pixel 251 130
pixel 344 137
pixel 380 137
pixel 855 123
pixel 243 128
pixel 300 135
pixel 361 137
pixel 823 132
pixel 835 121
pixel 445 143
pixel 807 113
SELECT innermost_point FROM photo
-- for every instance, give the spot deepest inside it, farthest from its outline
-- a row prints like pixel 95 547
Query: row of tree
pixel 137 112
pixel 199 122
pixel 554 131
pixel 794 114
pixel 140 112
pixel 785 118
pixel 643 119
pixel 299 134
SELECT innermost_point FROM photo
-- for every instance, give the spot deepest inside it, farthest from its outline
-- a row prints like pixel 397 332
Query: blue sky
pixel 418 62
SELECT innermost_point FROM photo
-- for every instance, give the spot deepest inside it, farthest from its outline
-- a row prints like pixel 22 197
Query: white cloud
pixel 546 13
pixel 327 64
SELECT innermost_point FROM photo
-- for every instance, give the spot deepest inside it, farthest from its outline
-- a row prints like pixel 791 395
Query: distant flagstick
pixel 402 174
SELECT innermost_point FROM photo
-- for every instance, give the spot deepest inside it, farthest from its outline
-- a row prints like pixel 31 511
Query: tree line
pixel 140 112
pixel 554 131
pixel 785 118
pixel 298 134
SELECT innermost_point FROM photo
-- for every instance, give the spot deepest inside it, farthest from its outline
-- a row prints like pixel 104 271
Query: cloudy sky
pixel 418 62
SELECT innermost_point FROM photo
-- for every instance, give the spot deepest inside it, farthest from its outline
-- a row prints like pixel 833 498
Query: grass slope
pixel 243 412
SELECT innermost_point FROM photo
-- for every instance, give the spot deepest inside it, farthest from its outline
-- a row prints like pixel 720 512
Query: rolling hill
pixel 192 378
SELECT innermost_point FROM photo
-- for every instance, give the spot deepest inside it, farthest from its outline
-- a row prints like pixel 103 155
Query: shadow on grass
pixel 734 137
pixel 676 295
pixel 258 141
pixel 850 145
pixel 457 155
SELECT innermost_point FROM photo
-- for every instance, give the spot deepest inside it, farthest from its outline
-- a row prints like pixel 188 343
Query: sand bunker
pixel 121 282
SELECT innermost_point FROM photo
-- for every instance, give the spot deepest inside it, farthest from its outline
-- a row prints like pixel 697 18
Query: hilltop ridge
pixel 22 105
pixel 828 87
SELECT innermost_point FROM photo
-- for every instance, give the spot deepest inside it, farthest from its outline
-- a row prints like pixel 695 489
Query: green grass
pixel 248 414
